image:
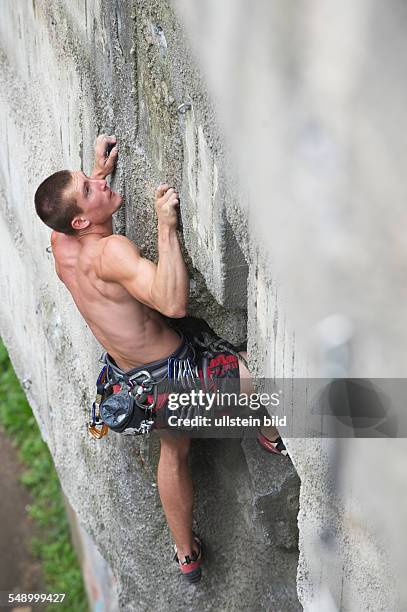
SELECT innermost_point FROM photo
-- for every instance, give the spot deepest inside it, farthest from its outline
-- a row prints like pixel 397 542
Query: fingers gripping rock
pixel 166 203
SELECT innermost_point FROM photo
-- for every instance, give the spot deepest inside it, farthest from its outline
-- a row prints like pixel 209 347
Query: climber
pixel 122 297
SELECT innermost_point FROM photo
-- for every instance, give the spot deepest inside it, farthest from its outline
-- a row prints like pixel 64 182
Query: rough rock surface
pixel 311 99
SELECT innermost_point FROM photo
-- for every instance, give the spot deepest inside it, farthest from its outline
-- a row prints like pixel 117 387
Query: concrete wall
pixel 288 151
pixel 310 97
pixel 68 71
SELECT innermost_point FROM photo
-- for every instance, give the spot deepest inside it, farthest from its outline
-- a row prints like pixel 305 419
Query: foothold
pixel 160 38
pixel 184 108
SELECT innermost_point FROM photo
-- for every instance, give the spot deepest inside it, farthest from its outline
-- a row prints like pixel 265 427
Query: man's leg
pixel 175 488
pixel 246 386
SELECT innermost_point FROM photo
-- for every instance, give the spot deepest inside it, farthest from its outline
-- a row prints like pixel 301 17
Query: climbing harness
pixel 127 402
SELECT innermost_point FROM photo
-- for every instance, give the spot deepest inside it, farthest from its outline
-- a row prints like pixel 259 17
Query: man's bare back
pixel 131 332
pixel 121 295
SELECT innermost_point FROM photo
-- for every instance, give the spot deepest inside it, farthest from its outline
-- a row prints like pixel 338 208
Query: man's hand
pixel 104 161
pixel 166 203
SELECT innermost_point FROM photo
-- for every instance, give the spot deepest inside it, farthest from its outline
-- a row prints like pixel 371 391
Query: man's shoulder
pixel 115 245
pixel 65 250
pixel 57 238
pixel 63 245
pixel 115 250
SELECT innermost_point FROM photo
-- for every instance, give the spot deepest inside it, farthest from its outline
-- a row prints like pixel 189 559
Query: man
pixel 122 296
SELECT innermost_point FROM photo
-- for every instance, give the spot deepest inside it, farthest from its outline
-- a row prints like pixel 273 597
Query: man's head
pixel 52 204
pixel 70 201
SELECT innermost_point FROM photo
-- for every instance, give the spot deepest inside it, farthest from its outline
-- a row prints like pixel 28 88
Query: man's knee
pixel 174 448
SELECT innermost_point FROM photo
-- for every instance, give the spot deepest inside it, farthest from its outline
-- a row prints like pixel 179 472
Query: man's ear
pixel 79 223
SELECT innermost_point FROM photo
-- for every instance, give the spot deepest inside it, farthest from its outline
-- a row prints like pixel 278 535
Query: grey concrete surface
pixel 310 97
pixel 289 159
pixel 290 164
pixel 69 70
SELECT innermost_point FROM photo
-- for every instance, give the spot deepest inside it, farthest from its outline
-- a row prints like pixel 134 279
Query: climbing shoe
pixel 275 447
pixel 191 566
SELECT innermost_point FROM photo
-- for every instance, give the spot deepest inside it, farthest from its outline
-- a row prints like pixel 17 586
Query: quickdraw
pixel 143 389
pixel 183 372
pixel 96 428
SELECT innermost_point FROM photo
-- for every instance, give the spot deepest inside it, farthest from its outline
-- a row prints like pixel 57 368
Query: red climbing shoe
pixel 191 566
pixel 275 447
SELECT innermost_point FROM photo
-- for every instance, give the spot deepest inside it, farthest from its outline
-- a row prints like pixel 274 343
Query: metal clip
pixel 184 108
pixel 170 367
pixel 133 379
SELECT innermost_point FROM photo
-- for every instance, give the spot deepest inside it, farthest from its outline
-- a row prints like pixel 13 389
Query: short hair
pixel 53 207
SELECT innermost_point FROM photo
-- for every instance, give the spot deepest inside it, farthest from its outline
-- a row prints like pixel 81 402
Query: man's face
pixel 95 197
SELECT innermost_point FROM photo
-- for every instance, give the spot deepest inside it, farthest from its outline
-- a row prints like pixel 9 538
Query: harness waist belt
pixel 156 369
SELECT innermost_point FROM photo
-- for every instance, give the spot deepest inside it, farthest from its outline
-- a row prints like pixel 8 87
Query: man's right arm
pixel 163 287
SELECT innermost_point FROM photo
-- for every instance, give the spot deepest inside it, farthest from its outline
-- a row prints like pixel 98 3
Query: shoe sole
pixel 194 576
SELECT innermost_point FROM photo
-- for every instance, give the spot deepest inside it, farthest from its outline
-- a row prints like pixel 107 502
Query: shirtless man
pixel 121 296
